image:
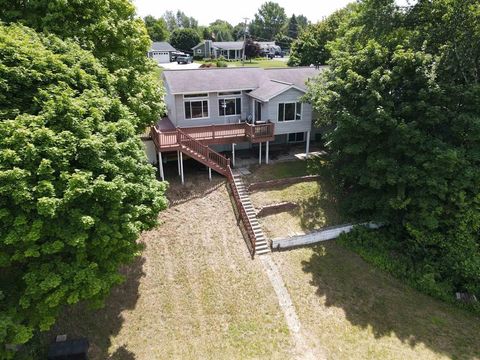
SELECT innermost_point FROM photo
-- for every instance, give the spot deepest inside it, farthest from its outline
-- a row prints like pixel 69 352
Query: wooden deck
pixel 169 140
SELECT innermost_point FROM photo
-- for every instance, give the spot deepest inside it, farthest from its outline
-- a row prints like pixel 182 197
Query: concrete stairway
pixel 261 244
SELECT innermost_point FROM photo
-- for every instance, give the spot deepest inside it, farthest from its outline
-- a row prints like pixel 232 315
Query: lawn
pixel 352 309
pixel 278 170
pixel 359 312
pixel 194 294
pixel 317 207
pixel 260 62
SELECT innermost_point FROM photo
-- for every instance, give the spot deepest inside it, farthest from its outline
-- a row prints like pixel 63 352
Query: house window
pixel 230 106
pixel 199 51
pixel 196 107
pixel 290 111
pixel 296 137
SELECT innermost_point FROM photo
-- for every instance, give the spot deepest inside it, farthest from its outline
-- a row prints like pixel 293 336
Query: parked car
pixel 184 59
pixel 175 54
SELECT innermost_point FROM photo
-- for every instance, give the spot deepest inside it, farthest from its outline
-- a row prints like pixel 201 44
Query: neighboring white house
pixel 232 50
pixel 161 52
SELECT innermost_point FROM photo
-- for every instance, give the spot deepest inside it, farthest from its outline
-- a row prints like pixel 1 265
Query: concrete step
pixel 261 246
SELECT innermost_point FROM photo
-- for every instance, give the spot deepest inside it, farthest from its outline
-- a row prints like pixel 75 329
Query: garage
pixel 161 52
pixel 161 56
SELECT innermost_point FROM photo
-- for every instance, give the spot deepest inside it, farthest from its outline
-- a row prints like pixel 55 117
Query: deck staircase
pixel 255 239
pixel 260 245
pixel 202 153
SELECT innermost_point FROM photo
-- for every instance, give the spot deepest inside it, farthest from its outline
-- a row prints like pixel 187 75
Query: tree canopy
pixel 269 21
pixel 111 30
pixel 179 20
pixel 310 48
pixel 184 39
pixel 75 187
pixel 403 97
pixel 156 28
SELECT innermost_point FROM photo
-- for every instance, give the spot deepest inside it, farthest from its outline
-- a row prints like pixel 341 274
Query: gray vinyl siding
pixel 170 102
pixel 213 112
pixel 286 127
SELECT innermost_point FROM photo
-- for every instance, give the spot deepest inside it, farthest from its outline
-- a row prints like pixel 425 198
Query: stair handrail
pixel 242 212
pixel 225 160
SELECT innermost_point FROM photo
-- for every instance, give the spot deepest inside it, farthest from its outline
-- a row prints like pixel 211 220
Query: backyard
pixel 196 293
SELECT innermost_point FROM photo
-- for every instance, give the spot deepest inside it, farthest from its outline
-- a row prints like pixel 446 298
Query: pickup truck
pixel 184 59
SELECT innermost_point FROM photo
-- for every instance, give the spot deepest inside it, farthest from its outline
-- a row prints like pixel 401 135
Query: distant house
pixel 161 52
pixel 228 108
pixel 232 50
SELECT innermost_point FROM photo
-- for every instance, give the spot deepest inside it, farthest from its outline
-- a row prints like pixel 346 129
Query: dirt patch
pixel 276 208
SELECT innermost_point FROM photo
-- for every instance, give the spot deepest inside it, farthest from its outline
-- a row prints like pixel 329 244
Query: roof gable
pixel 162 46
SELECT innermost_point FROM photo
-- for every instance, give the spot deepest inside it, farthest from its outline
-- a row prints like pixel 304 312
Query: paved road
pixel 175 66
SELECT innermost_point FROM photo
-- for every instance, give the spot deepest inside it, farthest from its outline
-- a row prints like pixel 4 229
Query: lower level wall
pixel 150 150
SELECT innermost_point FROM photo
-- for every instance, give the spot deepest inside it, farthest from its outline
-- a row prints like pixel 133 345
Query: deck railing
pixel 259 131
pixel 195 146
pixel 168 139
pixel 242 213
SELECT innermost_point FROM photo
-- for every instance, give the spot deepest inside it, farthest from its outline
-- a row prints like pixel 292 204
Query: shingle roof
pixel 228 45
pixel 269 89
pixel 162 46
pixel 228 79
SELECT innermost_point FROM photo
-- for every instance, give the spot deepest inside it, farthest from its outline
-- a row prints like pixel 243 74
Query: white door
pixel 161 56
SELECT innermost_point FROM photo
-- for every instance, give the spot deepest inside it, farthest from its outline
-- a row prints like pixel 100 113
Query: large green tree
pixel 111 30
pixel 269 21
pixel 310 47
pixel 403 97
pixel 220 30
pixel 179 20
pixel 75 187
pixel 184 39
pixel 156 28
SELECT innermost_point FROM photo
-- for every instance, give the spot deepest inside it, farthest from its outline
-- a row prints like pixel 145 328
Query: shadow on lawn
pixel 321 209
pixel 371 298
pixel 99 326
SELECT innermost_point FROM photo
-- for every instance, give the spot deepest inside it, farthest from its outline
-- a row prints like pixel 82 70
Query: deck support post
pixel 181 167
pixel 259 153
pixel 307 146
pixel 178 161
pixel 210 173
pixel 160 166
pixel 233 154
pixel 266 152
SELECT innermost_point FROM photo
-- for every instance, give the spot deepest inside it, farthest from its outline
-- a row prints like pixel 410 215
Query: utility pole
pixel 244 39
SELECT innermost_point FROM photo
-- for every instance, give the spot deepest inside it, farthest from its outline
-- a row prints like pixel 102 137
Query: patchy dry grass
pixel 358 312
pixel 315 209
pixel 279 170
pixel 317 205
pixel 194 294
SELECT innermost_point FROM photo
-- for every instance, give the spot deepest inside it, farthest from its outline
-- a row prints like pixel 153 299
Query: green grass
pixel 279 170
pixel 356 311
pixel 260 62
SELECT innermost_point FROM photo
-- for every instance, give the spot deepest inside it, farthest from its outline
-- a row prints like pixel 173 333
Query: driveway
pixel 175 66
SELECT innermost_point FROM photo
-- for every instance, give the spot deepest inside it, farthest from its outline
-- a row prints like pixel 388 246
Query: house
pixel 218 109
pixel 231 50
pixel 161 52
